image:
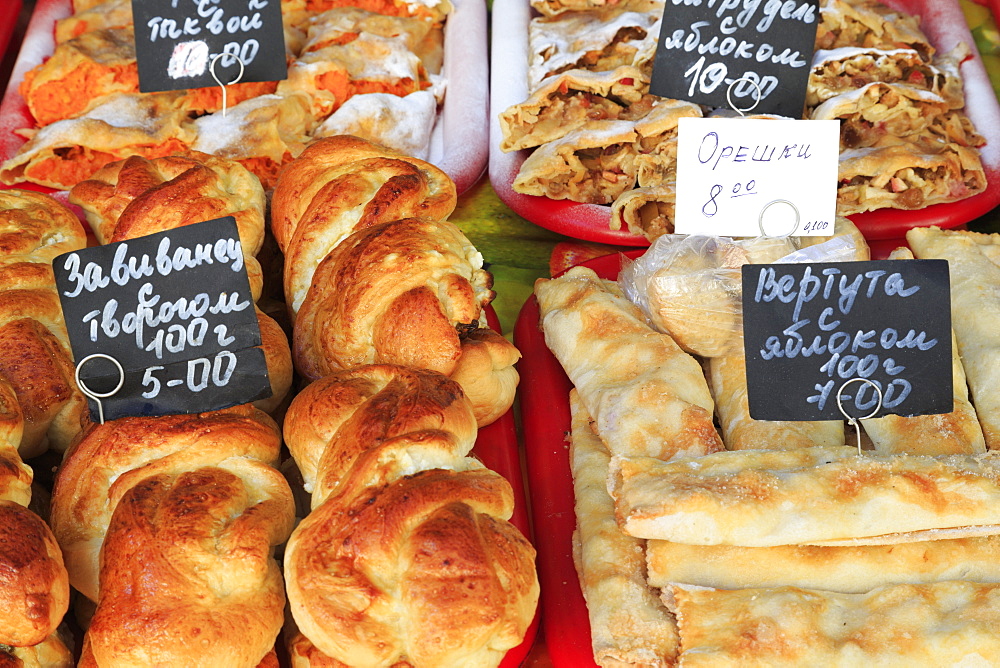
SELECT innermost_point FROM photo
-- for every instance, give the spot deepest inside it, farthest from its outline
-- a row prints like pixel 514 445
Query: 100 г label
pixel 201 372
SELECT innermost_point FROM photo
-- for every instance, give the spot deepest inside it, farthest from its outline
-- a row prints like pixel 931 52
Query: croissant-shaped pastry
pixel 169 524
pixel 341 184
pixel 396 293
pixel 137 196
pixel 407 556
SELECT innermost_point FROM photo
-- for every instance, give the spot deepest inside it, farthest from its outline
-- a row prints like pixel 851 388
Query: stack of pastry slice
pixel 777 553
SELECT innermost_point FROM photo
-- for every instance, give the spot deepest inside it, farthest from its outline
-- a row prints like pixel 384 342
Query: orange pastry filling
pixel 343 87
pixel 73 164
pixel 69 96
pixel 210 99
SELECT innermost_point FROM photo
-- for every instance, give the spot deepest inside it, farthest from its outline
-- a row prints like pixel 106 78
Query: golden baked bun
pixel 34 586
pixel 341 184
pixel 486 373
pixel 336 418
pixel 137 196
pixel 394 293
pixel 34 347
pixel 407 556
pixel 110 459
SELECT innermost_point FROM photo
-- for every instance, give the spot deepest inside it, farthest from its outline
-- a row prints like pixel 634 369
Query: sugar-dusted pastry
pixel 342 25
pixel 974 267
pixel 628 623
pixel 850 569
pixel 569 101
pixel 262 133
pixel 878 109
pixel 904 175
pixel 369 63
pixel 62 154
pixel 435 11
pixel 818 495
pixel 600 39
pixel 553 7
pixel 869 23
pixel 402 124
pixel 594 164
pixel 647 396
pixel 80 72
pixel 848 68
pixel 940 624
pixel 956 432
pixel 656 146
pixel 108 14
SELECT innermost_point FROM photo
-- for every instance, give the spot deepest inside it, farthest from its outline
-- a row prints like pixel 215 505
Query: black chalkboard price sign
pixel 735 53
pixel 174 310
pixel 176 42
pixel 811 329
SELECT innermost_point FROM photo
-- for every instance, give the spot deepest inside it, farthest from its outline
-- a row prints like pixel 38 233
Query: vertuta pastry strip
pixel 628 623
pixel 647 396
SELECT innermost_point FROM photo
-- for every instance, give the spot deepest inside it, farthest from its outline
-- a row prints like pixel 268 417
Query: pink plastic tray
pixel 942 21
pixel 459 143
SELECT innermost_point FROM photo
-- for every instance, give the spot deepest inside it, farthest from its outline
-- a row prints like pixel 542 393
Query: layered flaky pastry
pixel 402 124
pixel 569 101
pixel 870 24
pixel 62 154
pixel 554 7
pixel 647 212
pixel 943 623
pixel 646 395
pixel 601 39
pixel 628 623
pixel 907 176
pixel 656 144
pixel 974 266
pixel 593 164
pixel 875 110
pixel 841 70
pixel 817 495
pixel 108 14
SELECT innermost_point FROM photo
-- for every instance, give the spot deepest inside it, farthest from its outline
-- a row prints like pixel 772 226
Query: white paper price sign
pixel 744 177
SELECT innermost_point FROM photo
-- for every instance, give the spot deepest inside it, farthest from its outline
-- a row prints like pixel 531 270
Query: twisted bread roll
pixel 396 293
pixel 34 347
pixel 34 587
pixel 136 196
pixel 342 184
pixel 176 519
pixel 407 556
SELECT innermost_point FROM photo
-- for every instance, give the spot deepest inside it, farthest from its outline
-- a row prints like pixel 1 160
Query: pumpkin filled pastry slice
pixel 83 71
pixel 108 14
pixel 368 63
pixel 68 151
pixel 905 175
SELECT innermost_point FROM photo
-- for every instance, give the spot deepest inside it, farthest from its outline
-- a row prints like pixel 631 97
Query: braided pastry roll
pixel 341 184
pixel 34 346
pixel 170 524
pixel 407 556
pixel 136 196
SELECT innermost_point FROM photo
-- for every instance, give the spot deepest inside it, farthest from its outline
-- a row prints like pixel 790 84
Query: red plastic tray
pixel 9 10
pixel 544 401
pixel 459 142
pixel 942 21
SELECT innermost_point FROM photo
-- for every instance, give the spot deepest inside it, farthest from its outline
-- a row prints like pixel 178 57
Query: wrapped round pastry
pixel 407 555
pixel 177 518
pixel 394 292
pixel 341 184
